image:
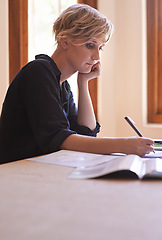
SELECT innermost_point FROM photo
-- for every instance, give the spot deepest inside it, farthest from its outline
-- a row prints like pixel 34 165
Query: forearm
pixel 81 143
pixel 86 116
pixel 76 142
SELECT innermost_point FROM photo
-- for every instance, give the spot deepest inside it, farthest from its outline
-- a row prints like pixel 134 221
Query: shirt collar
pixel 47 58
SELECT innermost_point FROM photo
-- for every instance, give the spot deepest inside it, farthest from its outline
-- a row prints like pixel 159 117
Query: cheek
pixel 84 56
pixel 80 55
pixel 77 55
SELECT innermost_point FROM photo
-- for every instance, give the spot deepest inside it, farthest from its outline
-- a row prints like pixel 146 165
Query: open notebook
pixel 128 165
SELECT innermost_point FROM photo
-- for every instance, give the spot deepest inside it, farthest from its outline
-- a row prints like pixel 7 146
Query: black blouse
pixel 38 113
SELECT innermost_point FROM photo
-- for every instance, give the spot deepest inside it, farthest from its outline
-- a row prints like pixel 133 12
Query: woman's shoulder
pixel 42 62
pixel 40 71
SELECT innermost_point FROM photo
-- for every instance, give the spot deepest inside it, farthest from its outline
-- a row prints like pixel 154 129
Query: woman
pixel 39 115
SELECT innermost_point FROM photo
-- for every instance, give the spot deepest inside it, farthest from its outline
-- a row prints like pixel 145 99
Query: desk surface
pixel 38 201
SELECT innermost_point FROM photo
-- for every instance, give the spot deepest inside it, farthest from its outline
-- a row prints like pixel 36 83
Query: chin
pixel 85 70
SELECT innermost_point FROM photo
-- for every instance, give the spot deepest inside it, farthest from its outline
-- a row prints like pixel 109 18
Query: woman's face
pixel 81 58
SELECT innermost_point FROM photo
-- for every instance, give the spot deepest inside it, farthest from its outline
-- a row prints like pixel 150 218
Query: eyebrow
pixel 101 43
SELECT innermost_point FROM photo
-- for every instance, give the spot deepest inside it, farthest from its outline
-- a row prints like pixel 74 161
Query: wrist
pixel 82 83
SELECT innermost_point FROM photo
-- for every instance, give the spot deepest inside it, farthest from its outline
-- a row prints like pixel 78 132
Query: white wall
pixel 3 49
pixel 122 85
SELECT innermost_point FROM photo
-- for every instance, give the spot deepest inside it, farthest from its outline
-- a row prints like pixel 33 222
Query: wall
pixel 4 49
pixel 122 85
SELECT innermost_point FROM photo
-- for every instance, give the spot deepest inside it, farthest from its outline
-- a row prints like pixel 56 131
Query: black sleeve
pixel 40 91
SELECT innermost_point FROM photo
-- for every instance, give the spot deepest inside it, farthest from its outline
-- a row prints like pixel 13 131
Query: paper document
pixel 73 158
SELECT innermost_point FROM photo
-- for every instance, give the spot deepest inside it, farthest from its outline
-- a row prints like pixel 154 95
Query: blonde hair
pixel 81 22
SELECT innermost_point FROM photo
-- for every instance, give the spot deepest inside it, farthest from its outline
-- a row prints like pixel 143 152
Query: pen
pixel 132 124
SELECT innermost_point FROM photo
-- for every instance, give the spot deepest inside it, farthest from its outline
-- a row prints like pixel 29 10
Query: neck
pixel 59 58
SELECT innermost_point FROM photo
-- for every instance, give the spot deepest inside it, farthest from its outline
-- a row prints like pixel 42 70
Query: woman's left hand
pixel 95 72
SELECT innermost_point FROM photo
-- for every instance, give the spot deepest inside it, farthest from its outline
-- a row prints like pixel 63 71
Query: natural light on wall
pixel 41 15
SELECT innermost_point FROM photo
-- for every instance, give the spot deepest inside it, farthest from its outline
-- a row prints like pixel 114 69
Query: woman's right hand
pixel 137 145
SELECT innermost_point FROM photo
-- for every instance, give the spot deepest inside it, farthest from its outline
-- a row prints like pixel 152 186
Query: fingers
pixel 147 146
pixel 150 145
pixel 149 141
pixel 140 145
pixel 148 149
pixel 96 67
pixel 96 70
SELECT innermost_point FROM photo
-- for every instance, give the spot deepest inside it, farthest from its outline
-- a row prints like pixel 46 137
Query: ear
pixel 64 42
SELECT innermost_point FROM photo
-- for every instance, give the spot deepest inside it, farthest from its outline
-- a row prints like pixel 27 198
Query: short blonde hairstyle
pixel 81 22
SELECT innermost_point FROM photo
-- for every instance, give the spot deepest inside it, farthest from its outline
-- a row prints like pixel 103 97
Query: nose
pixel 96 55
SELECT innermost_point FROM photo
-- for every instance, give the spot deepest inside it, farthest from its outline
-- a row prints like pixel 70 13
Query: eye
pixel 90 45
pixel 101 48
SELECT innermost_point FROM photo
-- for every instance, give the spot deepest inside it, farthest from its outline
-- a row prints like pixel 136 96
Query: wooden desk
pixel 38 201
